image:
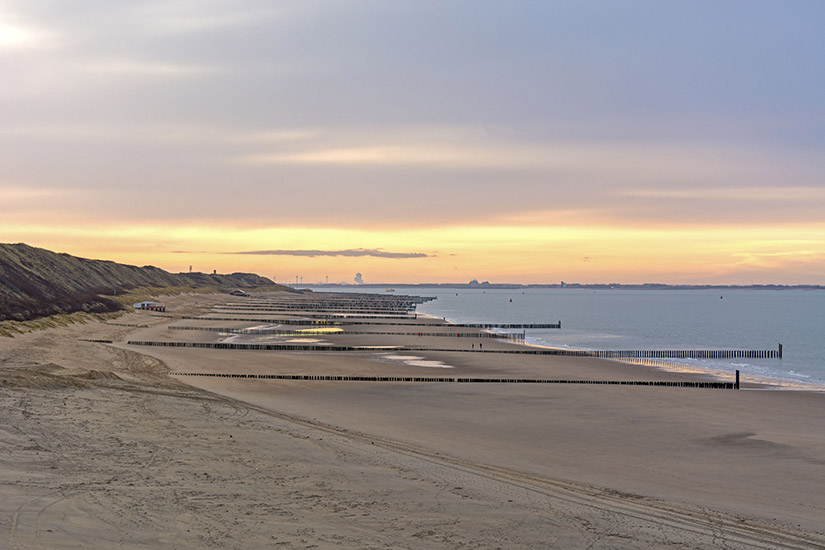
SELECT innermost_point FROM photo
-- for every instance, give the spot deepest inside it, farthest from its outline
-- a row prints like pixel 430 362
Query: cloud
pixel 26 193
pixel 364 156
pixel 763 193
pixel 146 68
pixel 17 37
pixel 635 168
pixel 192 16
pixel 779 259
pixel 351 253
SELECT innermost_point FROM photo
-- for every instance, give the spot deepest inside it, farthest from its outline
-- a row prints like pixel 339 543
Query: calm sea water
pixel 656 319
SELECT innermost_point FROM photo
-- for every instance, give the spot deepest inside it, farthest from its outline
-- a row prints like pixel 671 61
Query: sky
pixel 420 141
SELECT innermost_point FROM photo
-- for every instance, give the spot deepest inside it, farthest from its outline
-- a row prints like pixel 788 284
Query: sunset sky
pixel 410 141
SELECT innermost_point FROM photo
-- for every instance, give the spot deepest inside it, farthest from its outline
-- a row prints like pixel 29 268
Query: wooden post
pixel 780 350
pixel 736 384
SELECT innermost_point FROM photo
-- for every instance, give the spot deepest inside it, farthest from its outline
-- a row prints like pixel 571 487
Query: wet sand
pixel 150 460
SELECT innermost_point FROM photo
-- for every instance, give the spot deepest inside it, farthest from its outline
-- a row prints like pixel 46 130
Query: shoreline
pixel 770 380
pixel 198 462
pixel 673 365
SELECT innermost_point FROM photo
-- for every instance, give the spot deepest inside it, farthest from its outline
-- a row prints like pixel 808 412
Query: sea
pixel 624 319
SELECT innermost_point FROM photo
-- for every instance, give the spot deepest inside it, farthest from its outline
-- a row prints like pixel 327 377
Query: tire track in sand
pixel 708 524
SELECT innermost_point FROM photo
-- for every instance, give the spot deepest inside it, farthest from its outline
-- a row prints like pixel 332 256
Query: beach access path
pixel 103 445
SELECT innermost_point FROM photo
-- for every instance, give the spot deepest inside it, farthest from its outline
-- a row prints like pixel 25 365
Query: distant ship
pixel 390 290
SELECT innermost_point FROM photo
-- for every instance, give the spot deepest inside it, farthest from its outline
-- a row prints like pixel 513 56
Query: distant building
pixel 151 306
pixel 239 292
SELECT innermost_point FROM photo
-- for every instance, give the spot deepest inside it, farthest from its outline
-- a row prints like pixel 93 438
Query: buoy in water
pixel 511 299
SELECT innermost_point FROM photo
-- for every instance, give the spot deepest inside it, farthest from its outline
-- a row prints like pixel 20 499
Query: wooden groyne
pixel 354 302
pixel 303 308
pixel 507 325
pixel 519 337
pixel 316 303
pixel 261 347
pixel 343 297
pixel 449 380
pixel 342 322
pixel 604 354
pixel 343 316
pixel 321 316
pixel 690 354
pixel 308 321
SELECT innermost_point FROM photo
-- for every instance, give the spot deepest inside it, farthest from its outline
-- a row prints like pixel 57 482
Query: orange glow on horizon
pixel 505 253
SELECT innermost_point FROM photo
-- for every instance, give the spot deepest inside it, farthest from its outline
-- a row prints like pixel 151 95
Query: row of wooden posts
pixel 376 316
pixel 519 337
pixel 607 354
pixel 342 309
pixel 449 380
pixel 346 321
pixel 691 354
pixel 349 297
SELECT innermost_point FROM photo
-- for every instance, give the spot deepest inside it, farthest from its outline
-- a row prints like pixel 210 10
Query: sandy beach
pixel 112 446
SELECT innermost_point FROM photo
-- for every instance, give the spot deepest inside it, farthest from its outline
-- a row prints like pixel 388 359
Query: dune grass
pixel 10 329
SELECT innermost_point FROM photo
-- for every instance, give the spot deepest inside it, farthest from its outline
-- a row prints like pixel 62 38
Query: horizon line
pixel 566 285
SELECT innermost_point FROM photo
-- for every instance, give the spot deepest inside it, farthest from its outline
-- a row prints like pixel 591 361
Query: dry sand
pixel 99 448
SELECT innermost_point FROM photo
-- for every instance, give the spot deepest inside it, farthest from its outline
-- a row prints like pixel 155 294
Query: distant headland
pixel 474 284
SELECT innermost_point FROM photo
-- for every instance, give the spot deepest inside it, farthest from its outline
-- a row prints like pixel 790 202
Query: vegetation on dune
pixel 37 283
pixel 10 328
